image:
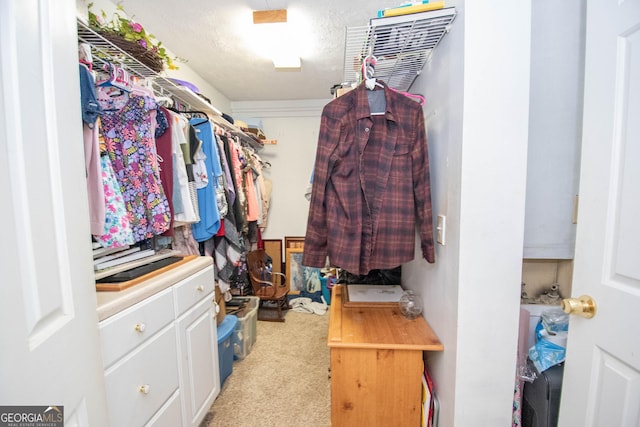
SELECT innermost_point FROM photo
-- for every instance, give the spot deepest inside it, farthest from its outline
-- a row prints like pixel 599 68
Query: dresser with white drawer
pixel 159 348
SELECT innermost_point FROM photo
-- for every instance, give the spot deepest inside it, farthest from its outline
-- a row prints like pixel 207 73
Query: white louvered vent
pixel 401 45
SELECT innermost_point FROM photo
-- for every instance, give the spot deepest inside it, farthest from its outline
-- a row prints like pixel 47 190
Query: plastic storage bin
pixel 245 331
pixel 225 346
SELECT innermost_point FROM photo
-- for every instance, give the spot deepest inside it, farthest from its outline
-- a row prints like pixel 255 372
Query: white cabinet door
pixel 555 120
pixel 170 415
pixel 50 345
pixel 198 352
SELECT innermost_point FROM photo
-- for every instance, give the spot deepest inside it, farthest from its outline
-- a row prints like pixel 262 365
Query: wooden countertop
pixel 110 303
pixel 380 328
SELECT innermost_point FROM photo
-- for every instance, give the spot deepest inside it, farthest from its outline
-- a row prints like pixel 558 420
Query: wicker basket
pixel 146 56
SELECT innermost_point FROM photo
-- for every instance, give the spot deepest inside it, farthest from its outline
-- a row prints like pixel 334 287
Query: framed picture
pixel 300 277
pixel 273 248
pixel 294 242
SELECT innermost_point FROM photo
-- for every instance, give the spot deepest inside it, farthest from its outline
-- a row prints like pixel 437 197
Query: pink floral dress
pixel 130 144
pixel 117 229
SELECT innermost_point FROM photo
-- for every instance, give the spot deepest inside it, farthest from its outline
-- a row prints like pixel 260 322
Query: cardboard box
pixel 221 305
pixel 341 91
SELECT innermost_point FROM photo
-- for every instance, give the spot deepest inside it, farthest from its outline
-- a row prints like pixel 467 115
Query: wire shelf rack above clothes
pixel 401 46
pixel 104 51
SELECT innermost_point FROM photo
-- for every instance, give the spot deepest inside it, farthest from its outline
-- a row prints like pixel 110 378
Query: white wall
pixel 441 83
pixel 477 111
pixel 295 125
pixel 495 135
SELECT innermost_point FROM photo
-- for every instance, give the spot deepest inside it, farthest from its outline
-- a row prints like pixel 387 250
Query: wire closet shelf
pixel 401 46
pixel 105 51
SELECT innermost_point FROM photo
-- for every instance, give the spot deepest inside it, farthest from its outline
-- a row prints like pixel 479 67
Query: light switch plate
pixel 441 229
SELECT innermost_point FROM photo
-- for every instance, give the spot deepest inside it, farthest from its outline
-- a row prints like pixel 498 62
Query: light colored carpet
pixel 283 381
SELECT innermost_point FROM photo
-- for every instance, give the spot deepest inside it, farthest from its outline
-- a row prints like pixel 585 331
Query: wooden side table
pixel 376 364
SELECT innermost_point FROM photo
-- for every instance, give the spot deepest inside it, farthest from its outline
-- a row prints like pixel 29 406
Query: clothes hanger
pixel 165 101
pixel 87 64
pixel 113 85
pixel 416 97
pixel 84 53
pixel 118 77
pixel 190 114
pixel 377 102
pixel 196 114
pixel 368 70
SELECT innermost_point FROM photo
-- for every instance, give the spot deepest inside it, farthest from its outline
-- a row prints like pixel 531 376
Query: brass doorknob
pixel 583 306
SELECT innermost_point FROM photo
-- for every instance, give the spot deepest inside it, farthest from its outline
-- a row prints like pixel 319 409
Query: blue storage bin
pixel 225 346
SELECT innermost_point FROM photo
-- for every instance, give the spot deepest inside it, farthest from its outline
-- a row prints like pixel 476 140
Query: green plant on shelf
pixel 131 37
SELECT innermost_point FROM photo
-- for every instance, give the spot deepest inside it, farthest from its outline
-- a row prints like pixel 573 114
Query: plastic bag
pixel 555 320
pixel 526 372
pixel 551 337
pixel 545 354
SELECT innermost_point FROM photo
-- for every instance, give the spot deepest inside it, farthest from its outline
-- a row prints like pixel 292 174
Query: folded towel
pixel 305 305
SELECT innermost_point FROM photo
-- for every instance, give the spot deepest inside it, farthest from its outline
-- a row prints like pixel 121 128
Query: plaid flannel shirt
pixel 371 182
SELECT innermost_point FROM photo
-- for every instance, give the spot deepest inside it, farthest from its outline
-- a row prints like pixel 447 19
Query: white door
pixel 48 333
pixel 602 374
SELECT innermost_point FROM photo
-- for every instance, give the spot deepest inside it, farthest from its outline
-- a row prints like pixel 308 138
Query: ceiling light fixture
pixel 287 63
pixel 269 16
pixel 276 38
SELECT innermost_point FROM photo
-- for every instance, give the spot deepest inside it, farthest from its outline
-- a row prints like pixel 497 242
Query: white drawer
pixel 126 330
pixel 140 383
pixel 193 289
pixel 170 415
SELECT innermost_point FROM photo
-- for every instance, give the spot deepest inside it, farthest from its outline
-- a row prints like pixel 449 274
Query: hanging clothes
pixel 117 231
pixel 209 223
pixel 130 144
pixel 183 241
pixel 229 243
pixel 227 181
pixel 260 190
pixel 371 182
pixel 235 208
pixel 235 154
pixel 91 110
pixel 248 185
pixel 95 189
pixel 184 210
pixel 164 147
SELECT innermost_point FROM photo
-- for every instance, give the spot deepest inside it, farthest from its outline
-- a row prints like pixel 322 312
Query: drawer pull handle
pixel 200 288
pixel 144 389
pixel 140 327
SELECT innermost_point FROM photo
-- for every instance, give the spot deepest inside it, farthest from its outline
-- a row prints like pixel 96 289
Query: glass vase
pixel 410 304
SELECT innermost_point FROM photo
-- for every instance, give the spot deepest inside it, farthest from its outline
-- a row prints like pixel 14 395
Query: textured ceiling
pixel 208 34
